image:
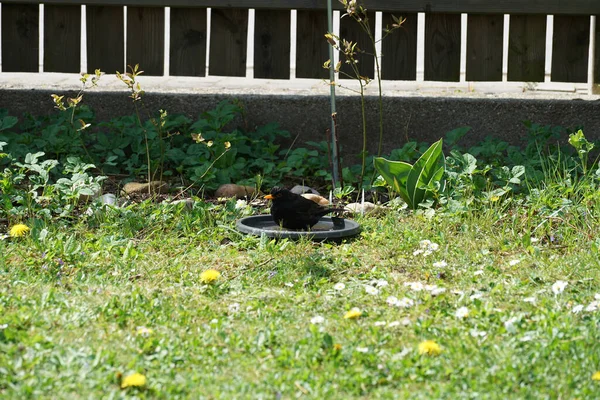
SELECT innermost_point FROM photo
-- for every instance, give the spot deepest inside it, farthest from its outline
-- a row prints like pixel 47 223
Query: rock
pixel 108 198
pixel 233 190
pixel 299 189
pixel 316 198
pixel 141 188
pixel 369 208
pixel 189 203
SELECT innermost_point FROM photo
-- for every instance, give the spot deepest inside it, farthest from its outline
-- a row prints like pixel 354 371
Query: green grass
pixel 71 305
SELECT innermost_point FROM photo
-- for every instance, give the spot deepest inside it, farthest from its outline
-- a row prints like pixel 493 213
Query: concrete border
pixel 303 109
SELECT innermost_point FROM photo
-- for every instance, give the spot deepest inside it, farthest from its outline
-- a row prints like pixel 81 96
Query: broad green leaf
pixel 455 135
pixel 395 173
pixel 425 170
pixel 8 122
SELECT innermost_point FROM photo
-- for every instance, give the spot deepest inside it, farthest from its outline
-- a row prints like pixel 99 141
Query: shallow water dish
pixel 327 228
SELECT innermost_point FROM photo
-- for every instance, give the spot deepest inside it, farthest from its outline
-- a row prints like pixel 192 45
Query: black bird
pixel 293 211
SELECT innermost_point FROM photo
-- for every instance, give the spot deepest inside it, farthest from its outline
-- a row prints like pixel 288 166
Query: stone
pixel 233 190
pixel 299 189
pixel 189 203
pixel 320 200
pixel 108 198
pixel 141 188
pixel 369 208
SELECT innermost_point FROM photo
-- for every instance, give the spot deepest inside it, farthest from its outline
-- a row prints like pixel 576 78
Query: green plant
pixel 351 52
pixel 583 147
pixel 415 183
pixel 305 163
pixel 342 193
pixel 77 181
pixel 137 94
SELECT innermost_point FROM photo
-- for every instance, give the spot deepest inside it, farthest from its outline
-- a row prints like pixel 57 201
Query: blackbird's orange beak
pixel 269 197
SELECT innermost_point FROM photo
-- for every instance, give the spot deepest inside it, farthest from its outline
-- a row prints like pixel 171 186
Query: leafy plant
pixel 351 52
pixel 415 183
pixel 583 147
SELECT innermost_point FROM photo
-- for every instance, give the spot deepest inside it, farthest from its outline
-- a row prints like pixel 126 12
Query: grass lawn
pixel 509 293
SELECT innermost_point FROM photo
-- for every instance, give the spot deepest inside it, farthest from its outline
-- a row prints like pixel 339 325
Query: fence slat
pixel 484 47
pixel 105 33
pixel 311 45
pixel 399 49
pixel 146 39
pixel 597 54
pixel 527 48
pixel 62 38
pixel 20 32
pixel 352 31
pixel 228 38
pixel 187 56
pixel 570 48
pixel 442 47
pixel 272 44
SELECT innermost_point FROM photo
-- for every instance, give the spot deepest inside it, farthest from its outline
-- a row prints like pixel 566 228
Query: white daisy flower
pixel 559 286
pixel 233 308
pixel 462 312
pixel 437 291
pixel 476 333
pixel 317 319
pixel 593 306
pixel 405 302
pixel 339 286
pixel 476 296
pixel 371 290
pixel 577 309
pixel 381 283
pixel 392 300
pixel 416 286
pixel 510 324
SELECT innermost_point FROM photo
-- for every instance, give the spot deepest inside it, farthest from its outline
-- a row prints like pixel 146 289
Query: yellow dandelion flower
pixel 133 380
pixel 430 347
pixel 353 313
pixel 596 376
pixel 209 276
pixel 18 230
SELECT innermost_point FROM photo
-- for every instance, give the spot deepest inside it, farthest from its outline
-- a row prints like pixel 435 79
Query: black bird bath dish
pixel 328 228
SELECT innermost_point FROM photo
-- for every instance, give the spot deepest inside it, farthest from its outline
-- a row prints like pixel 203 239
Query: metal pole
pixel 334 150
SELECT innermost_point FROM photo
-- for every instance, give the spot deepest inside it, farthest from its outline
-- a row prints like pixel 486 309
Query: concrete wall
pixel 424 118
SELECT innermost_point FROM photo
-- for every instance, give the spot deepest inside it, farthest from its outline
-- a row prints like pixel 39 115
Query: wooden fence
pixel 540 41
